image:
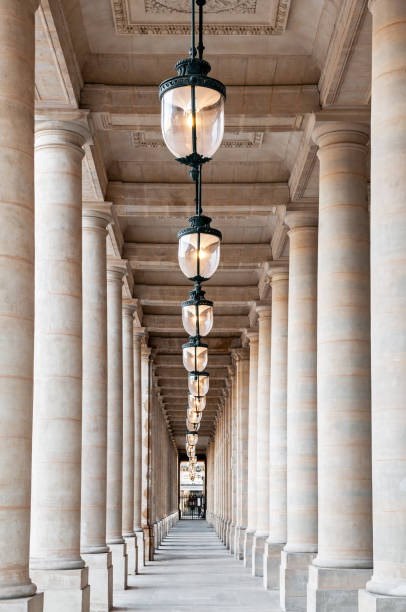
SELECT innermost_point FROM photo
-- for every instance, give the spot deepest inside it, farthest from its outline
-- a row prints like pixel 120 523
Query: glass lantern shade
pixel 197 317
pixel 199 249
pixel 193 416
pixel 198 383
pixel 177 120
pixel 191 438
pixel 190 451
pixel 195 356
pixel 196 403
pixel 192 426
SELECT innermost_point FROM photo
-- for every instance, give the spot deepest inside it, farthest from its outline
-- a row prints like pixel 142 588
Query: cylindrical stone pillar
pixel 128 437
pixel 252 448
pixel 57 432
pixel 343 371
pixel 387 589
pixel 17 57
pixel 277 431
pixel 234 458
pixel 115 538
pixel 262 487
pixel 301 411
pixel 242 366
pixel 139 333
pixel 94 404
pixel 145 389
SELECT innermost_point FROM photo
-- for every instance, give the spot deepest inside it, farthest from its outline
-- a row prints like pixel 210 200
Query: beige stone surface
pixel 16 297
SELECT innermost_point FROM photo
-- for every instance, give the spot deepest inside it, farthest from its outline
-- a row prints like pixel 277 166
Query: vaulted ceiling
pixel 286 63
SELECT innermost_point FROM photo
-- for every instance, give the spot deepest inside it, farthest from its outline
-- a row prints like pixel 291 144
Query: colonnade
pixel 327 444
pixel 76 392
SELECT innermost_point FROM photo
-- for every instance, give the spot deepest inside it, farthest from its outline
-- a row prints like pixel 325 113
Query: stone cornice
pixel 124 26
pixel 348 25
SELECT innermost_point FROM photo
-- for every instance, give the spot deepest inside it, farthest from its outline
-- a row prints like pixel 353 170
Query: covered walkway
pixel 194 571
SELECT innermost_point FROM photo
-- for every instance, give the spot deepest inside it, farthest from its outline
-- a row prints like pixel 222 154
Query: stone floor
pixel 194 571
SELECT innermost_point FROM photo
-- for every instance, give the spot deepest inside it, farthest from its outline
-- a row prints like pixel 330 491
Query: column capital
pixel 62 128
pixel 96 215
pixel 129 308
pixel 240 354
pixel 340 132
pixel 302 219
pixel 116 269
pixel 140 332
pixel 146 352
pixel 264 309
pixel 281 274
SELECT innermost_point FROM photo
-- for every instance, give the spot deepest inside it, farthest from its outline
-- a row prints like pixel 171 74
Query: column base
pixel 369 602
pixel 131 544
pixel 239 543
pixel 35 603
pixel 258 548
pixel 120 566
pixel 100 580
pixel 272 565
pixel 294 573
pixel 63 590
pixel 140 549
pixel 335 588
pixel 248 542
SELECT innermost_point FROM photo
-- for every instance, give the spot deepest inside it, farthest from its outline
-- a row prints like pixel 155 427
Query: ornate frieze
pixel 234 140
pixel 277 24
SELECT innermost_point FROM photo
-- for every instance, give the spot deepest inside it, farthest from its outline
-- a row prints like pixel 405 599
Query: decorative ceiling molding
pixel 124 26
pixel 341 48
pixel 251 140
pixel 213 6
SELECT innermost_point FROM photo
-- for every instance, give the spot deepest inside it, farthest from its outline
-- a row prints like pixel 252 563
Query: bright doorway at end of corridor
pixel 192 497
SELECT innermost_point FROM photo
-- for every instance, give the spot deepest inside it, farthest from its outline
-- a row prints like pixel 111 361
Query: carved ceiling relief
pixel 233 140
pixel 279 13
pixel 212 6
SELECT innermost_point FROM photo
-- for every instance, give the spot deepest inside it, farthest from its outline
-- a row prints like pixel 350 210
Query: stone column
pixel 145 386
pixel 262 487
pixel 115 540
pixel 128 437
pixel 387 589
pixel 139 333
pixel 242 364
pixel 17 57
pixel 57 566
pixel 234 456
pixel 301 411
pixel 252 448
pixel 343 372
pixel 277 431
pixel 95 552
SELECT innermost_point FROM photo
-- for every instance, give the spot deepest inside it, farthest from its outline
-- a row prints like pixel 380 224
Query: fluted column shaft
pixel 388 303
pixel 17 57
pixel 57 436
pixel 94 386
pixel 301 410
pixel 277 431
pixel 343 368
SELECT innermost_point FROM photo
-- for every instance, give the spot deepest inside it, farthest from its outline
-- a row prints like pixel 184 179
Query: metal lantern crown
pixel 192 105
pixel 197 313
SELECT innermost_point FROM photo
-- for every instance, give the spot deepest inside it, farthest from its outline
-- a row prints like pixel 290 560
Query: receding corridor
pixel 194 571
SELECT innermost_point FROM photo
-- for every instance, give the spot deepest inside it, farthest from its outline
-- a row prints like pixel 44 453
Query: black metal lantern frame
pixel 193 72
pixel 193 376
pixel 196 300
pixel 195 343
pixel 192 427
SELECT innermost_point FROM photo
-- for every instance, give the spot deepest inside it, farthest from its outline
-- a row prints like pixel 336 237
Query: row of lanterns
pixel 192 121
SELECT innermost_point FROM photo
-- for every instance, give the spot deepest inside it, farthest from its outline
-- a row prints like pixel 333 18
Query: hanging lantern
pixel 193 415
pixel 190 450
pixel 195 355
pixel 199 249
pixel 192 105
pixel 196 403
pixel 191 438
pixel 197 313
pixel 198 383
pixel 192 426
